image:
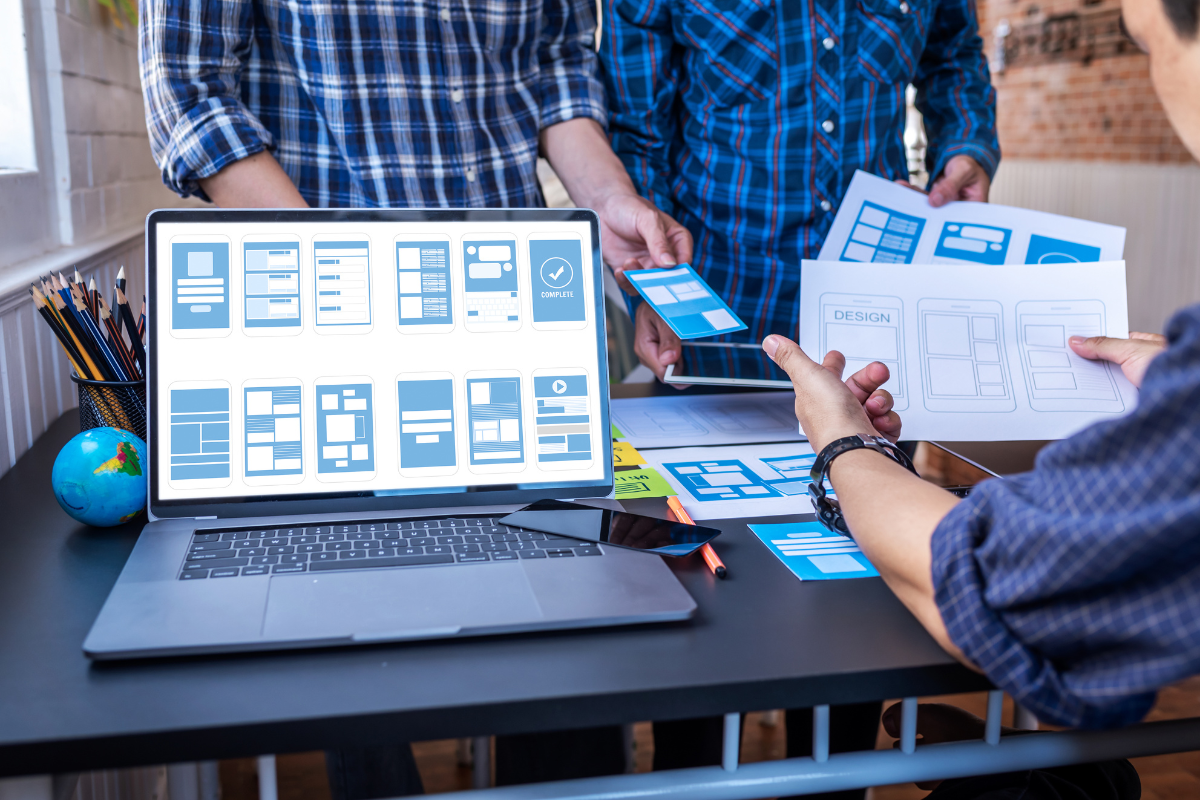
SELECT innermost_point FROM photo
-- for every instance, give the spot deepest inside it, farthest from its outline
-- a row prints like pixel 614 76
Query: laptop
pixel 341 406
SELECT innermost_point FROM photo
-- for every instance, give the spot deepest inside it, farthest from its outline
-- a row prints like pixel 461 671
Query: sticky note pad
pixel 685 301
pixel 625 456
pixel 641 483
pixel 814 553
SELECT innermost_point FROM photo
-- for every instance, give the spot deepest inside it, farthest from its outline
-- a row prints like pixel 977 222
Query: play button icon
pixel 559 387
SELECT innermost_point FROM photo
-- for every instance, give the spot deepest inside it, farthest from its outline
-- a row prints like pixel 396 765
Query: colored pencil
pixel 139 351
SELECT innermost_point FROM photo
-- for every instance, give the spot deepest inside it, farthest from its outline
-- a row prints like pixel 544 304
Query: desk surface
pixel 760 640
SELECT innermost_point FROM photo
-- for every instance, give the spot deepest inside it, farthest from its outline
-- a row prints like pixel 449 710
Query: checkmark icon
pixel 554 275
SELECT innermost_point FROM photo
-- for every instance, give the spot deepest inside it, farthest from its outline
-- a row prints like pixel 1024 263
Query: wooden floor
pixel 301 776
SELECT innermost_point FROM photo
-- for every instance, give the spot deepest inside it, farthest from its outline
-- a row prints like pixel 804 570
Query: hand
pixel 827 408
pixel 962 179
pixel 636 235
pixel 1132 355
pixel 655 343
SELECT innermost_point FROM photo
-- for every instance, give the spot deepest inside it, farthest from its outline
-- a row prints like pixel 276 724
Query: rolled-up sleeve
pixel 954 90
pixel 192 58
pixel 569 79
pixel 1076 587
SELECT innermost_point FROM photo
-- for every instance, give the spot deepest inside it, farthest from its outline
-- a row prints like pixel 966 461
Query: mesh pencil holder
pixel 112 404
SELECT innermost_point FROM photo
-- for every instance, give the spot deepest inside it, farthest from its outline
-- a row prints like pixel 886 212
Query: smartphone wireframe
pixel 963 365
pixel 867 328
pixel 1056 378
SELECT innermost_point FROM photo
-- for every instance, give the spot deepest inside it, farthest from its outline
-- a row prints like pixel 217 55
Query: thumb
pixel 650 227
pixel 669 346
pixel 1104 348
pixel 948 187
pixel 788 356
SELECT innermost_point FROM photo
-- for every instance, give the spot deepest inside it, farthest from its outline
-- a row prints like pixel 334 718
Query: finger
pixel 646 345
pixel 888 426
pixel 670 348
pixel 681 241
pixel 879 403
pixel 835 362
pixel 622 279
pixel 947 187
pixel 891 720
pixel 1157 338
pixel 788 356
pixel 654 234
pixel 1106 348
pixel 864 382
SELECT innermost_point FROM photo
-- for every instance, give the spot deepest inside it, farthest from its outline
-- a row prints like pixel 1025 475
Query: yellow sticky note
pixel 625 456
pixel 641 483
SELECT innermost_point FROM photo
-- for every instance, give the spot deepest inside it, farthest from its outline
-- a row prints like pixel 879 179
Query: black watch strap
pixel 829 511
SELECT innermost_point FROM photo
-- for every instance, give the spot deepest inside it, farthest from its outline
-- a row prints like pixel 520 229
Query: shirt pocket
pixel 731 55
pixel 891 38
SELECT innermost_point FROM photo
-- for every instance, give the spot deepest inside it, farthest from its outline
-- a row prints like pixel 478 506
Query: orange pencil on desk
pixel 710 556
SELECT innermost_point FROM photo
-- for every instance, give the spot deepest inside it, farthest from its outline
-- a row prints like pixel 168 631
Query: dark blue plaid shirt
pixel 1076 587
pixel 746 119
pixel 375 103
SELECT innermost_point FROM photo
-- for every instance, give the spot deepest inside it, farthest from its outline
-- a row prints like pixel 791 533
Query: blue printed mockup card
pixel 813 553
pixel 685 301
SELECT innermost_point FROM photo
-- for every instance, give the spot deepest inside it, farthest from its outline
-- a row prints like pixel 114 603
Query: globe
pixel 99 477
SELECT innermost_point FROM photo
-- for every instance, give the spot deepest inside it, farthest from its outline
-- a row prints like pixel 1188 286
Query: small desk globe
pixel 99 477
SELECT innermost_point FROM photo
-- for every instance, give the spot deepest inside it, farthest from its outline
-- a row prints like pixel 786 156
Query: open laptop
pixel 342 404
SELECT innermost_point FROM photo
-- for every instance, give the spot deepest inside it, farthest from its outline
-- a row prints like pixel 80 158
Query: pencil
pixel 710 556
pixel 40 303
pixel 118 344
pixel 118 286
pixel 142 321
pixel 93 296
pixel 138 350
pixel 93 330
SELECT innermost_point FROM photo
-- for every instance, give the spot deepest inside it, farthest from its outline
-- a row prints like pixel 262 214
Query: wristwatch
pixel 829 511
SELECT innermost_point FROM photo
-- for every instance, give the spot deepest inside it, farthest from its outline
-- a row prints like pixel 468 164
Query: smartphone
pixel 962 356
pixel 618 528
pixel 867 328
pixel 1057 379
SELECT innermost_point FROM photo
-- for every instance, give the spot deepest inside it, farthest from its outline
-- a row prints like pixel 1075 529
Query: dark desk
pixel 760 640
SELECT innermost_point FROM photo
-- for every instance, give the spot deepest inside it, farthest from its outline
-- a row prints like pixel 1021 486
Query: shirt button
pixel 827 126
pixel 457 95
pixel 828 42
pixel 471 175
pixel 826 205
pixel 903 7
pixel 445 15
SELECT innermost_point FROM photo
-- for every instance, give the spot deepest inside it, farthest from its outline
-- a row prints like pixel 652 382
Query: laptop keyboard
pixel 367 545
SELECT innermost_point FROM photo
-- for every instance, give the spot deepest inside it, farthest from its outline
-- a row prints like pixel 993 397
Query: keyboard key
pixel 477 522
pixel 422 541
pixel 294 558
pixel 466 548
pixel 205 537
pixel 504 537
pixel 372 527
pixel 275 541
pixel 409 551
pixel 321 530
pixel 198 546
pixel 359 537
pixel 263 534
pixel 288 568
pixel 425 524
pixel 253 571
pixel 323 557
pixel 493 547
pixel 438 550
pixel 303 539
pixel 309 548
pixel 209 555
pixel 504 556
pixel 522 545
pixel 381 552
pixel 466 558
pixel 331 537
pixel 560 553
pixel 453 523
pixel 387 534
pixel 369 544
pixel 395 561
pixel 265 560
pixel 231 536
pixel 199 565
pixel 290 532
pixel 352 554
pixel 532 554
pixel 279 551
pixel 587 551
pixel 494 530
pixel 449 540
pixel 193 574
pixel 252 551
pixel 399 526
pixel 345 529
pixel 224 572
pixel 339 546
pixel 531 537
pixel 476 538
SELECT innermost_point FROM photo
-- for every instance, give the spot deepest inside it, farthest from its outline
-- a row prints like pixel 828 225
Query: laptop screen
pixel 409 357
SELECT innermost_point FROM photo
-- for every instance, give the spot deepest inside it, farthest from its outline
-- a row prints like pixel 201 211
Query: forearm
pixel 893 514
pixel 584 161
pixel 256 181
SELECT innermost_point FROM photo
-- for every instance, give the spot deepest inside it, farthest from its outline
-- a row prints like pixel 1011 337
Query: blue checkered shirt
pixel 371 104
pixel 1076 587
pixel 746 119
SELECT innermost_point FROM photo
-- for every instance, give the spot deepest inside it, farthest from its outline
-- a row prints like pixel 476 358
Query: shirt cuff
pixel 581 96
pixel 208 139
pixel 960 591
pixel 986 156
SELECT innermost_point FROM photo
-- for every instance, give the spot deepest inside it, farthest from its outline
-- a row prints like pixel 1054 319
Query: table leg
pixel 820 736
pixel 908 725
pixel 995 706
pixel 268 789
pixel 481 773
pixel 732 745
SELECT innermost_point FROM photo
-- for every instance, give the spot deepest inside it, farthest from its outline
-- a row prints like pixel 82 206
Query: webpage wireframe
pixel 975 353
pixel 383 357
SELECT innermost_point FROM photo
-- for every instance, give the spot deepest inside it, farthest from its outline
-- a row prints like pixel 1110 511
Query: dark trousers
pixel 559 755
pixel 365 773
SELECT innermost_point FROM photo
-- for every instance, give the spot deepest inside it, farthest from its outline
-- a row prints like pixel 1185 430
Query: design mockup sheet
pixel 975 353
pixel 387 357
pixel 687 421
pixel 884 223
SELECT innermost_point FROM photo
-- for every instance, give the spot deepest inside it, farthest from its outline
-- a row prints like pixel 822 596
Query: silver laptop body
pixel 250 311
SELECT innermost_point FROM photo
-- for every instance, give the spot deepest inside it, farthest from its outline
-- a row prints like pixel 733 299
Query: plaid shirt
pixel 375 103
pixel 1076 587
pixel 746 119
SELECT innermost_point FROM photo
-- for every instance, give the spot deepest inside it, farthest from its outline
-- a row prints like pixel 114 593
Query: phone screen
pixel 618 528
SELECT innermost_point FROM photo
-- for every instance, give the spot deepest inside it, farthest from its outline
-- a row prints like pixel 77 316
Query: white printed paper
pixel 975 353
pixel 738 480
pixel 685 421
pixel 880 221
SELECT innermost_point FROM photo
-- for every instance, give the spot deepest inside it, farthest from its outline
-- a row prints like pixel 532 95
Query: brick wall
pixel 1056 106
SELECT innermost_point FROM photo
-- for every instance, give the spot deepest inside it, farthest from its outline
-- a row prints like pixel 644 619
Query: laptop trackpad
pixel 398 603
